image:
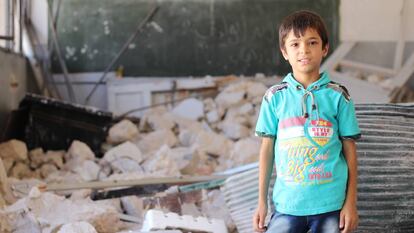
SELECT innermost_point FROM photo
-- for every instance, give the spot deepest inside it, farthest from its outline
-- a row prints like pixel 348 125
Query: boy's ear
pixel 284 53
pixel 325 50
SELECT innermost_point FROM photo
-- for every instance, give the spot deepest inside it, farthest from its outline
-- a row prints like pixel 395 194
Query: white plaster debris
pixel 197 137
pixel 77 227
pixel 13 149
pixel 122 131
pixel 49 211
pixel 124 158
pixel 192 109
pixel 153 141
pixel 79 151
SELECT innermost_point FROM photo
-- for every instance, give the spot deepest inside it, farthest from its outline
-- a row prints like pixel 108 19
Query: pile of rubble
pixel 195 137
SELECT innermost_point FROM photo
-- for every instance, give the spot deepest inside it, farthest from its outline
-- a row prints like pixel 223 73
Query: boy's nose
pixel 304 48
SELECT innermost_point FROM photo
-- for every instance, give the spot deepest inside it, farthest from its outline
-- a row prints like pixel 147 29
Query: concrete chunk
pixel 13 149
pixel 124 158
pixel 77 227
pixel 190 108
pixel 122 131
pixel 79 151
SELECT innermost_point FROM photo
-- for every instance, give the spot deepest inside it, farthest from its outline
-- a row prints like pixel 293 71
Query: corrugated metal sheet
pixel 386 173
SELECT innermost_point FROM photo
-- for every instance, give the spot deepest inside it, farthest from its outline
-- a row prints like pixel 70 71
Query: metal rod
pixel 124 47
pixel 60 58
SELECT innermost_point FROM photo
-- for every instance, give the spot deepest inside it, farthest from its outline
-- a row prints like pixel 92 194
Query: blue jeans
pixel 319 223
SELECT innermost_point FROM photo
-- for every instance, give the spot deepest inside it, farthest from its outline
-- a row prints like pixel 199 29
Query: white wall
pixel 375 20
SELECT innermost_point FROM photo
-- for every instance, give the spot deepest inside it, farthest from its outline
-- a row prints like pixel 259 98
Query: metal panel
pixel 386 173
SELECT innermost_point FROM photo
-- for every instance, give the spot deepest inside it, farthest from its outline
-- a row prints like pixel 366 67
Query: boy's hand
pixel 348 221
pixel 259 218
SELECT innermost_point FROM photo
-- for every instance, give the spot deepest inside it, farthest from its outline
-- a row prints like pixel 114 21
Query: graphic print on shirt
pixel 301 162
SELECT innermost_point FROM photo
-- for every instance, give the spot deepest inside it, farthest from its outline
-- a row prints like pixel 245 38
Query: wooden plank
pixel 398 59
pixel 405 73
pixel 331 63
pixel 126 183
pixel 367 67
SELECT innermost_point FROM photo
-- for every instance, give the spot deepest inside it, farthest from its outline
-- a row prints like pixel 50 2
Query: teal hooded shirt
pixel 308 126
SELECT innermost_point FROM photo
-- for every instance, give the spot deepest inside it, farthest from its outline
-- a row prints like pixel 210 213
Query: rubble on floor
pixel 195 137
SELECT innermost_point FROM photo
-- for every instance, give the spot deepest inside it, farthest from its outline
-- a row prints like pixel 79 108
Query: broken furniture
pixel 54 124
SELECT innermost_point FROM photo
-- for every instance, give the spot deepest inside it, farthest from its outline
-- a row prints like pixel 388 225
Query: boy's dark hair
pixel 299 21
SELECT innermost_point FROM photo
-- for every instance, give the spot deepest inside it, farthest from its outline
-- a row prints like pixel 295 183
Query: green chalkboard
pixel 194 37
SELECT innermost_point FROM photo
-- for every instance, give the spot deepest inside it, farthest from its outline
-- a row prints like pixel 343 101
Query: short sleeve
pixel 348 124
pixel 267 121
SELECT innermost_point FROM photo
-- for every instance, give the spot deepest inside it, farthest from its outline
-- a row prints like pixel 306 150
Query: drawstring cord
pixel 305 113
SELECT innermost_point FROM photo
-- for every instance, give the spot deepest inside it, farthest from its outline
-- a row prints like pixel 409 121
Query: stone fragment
pixel 162 163
pixel 124 158
pixel 245 151
pixel 47 169
pixel 14 149
pixel 213 143
pixel 228 99
pixel 133 206
pixel 190 108
pixel 79 151
pixel 122 131
pixel 77 227
pixel 154 140
pixel 89 171
pixel 234 130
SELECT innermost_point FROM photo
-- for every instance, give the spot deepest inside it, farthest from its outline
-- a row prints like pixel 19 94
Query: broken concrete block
pixel 154 140
pixel 200 164
pixel 187 137
pixel 133 206
pixel 213 143
pixel 8 164
pixel 228 99
pixel 53 211
pixel 79 151
pixel 77 227
pixel 245 151
pixel 255 89
pixel 234 130
pixel 191 108
pixel 47 169
pixel 209 104
pixel 213 116
pixel 162 163
pixel 89 171
pixel 122 131
pixel 55 157
pixel 158 121
pixel 124 158
pixel 13 149
pixel 21 170
pixel 36 157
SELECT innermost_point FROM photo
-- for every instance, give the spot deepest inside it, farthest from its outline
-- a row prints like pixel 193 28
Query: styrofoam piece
pixel 157 220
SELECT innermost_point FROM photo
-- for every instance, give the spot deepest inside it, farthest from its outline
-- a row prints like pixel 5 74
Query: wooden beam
pixel 405 73
pixel 332 61
pixel 135 182
pixel 367 67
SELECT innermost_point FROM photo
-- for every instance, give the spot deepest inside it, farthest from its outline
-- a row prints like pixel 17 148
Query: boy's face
pixel 304 53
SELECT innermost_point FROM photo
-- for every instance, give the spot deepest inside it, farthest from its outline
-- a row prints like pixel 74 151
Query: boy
pixel 309 128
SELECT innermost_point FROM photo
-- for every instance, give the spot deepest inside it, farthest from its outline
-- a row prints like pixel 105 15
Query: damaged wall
pixel 13 84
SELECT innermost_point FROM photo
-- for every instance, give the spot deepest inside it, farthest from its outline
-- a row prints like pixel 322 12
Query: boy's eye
pixel 313 42
pixel 294 45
